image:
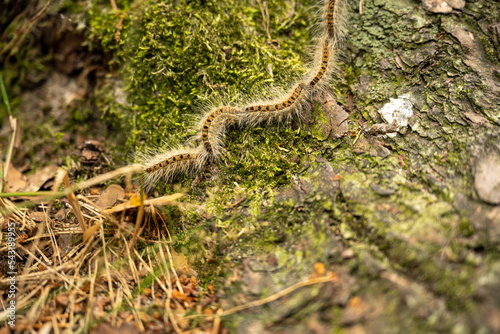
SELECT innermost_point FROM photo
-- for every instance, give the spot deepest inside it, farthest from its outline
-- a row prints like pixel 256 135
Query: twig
pixel 271 298
pixel 278 295
pixel 113 4
pixel 74 204
pixel 215 328
pixel 357 137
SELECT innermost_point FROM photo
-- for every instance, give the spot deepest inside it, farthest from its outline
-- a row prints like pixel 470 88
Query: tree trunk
pixel 412 222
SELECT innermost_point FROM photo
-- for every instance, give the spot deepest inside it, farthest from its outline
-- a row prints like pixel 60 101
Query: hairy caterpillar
pixel 168 164
pixel 213 125
pixel 277 110
pixel 213 128
pixel 324 65
pixel 330 18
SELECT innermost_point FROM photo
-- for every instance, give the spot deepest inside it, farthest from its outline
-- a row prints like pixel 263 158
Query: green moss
pixel 188 54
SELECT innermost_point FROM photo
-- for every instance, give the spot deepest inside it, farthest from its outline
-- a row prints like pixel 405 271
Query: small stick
pixel 74 204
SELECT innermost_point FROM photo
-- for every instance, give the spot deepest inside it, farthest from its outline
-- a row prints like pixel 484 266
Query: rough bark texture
pixel 412 224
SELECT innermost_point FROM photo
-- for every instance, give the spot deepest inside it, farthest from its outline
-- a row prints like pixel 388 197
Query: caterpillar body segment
pixel 329 41
pixel 330 19
pixel 169 164
pixel 213 128
pixel 276 110
pixel 174 159
pixel 323 65
pixel 335 17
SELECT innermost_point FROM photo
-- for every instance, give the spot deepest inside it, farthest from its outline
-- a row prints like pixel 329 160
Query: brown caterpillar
pixel 214 124
pixel 335 20
pixel 330 19
pixel 179 158
pixel 324 65
pixel 168 164
pixel 277 110
pixel 213 128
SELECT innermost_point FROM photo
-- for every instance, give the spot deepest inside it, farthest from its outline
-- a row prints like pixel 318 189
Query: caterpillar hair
pixel 325 61
pixel 335 16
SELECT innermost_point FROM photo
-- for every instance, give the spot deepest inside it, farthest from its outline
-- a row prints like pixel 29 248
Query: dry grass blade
pixel 14 44
pixel 19 215
pixel 82 185
pixel 14 125
pixel 74 204
pixel 312 281
pixel 135 202
pixel 138 222
pixel 90 231
pixel 280 294
pixel 14 138
pixel 170 314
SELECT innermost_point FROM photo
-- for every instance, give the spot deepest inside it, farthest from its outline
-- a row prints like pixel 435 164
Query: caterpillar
pixel 330 19
pixel 211 129
pixel 168 164
pixel 276 110
pixel 324 65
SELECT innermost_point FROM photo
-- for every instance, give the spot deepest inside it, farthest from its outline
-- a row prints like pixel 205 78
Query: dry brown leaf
pixel 38 216
pixel 110 196
pixel 37 180
pixel 15 180
pixel 179 260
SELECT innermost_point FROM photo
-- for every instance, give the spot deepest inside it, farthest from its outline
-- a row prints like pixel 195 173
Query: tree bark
pixel 411 222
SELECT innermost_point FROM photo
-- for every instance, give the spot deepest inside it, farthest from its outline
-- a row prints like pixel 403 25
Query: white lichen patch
pixel 397 110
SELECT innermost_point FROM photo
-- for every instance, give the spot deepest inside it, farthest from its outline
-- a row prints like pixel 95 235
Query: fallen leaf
pixel 38 179
pixel 62 300
pixel 15 180
pixel 110 196
pixel 38 216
